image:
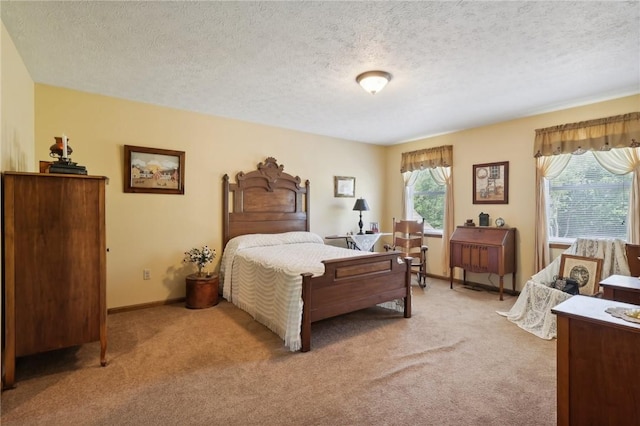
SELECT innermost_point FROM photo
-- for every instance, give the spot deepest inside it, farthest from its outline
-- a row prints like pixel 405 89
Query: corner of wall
pixel 17 107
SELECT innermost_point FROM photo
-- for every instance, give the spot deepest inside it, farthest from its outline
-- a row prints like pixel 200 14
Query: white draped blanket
pixel 532 310
pixel 260 273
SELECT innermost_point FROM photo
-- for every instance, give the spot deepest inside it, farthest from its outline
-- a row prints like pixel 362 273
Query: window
pixel 428 201
pixel 494 172
pixel 588 201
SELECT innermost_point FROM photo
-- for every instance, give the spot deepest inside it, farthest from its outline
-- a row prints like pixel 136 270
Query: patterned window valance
pixel 620 131
pixel 441 156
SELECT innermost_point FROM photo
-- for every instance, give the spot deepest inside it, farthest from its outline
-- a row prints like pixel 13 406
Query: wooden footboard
pixel 351 284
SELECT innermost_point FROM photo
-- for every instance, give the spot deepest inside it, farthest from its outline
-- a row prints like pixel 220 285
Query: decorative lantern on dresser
pixel 54 264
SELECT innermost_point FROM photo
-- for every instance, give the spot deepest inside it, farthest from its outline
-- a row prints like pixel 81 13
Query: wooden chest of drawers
pixel 54 264
pixel 597 364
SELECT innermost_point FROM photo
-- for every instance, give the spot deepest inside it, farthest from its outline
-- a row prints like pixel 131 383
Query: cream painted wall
pixel 17 101
pixel 153 231
pixel 508 141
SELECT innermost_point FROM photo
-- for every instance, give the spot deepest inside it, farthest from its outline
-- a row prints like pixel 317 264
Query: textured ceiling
pixel 455 64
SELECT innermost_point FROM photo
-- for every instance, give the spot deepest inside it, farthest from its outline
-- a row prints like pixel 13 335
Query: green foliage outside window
pixel 428 201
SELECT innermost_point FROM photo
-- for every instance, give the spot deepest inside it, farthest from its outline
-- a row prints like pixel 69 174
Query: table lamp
pixel 361 205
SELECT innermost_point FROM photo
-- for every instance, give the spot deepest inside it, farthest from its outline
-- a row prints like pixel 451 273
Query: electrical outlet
pixel 146 274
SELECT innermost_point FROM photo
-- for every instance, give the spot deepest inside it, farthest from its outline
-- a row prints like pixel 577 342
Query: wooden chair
pixel 407 239
pixel 633 259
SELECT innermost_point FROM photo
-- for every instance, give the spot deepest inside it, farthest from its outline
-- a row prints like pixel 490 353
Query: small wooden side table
pixel 621 288
pixel 202 291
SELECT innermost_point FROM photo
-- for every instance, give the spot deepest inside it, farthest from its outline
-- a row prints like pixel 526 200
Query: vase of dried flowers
pixel 201 257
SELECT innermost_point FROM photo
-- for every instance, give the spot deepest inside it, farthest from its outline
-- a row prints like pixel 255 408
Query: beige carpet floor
pixel 455 362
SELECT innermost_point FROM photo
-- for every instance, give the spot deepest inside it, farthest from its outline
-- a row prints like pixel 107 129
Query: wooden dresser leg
pixel 103 350
pixel 451 278
pixel 9 353
pixel 103 333
pixel 9 378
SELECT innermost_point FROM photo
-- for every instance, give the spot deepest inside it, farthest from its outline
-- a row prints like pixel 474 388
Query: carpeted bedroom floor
pixel 454 362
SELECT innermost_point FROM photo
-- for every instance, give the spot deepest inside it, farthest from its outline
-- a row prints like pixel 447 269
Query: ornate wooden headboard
pixel 264 201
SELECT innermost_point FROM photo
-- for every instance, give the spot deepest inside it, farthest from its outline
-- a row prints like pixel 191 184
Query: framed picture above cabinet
pixel 491 183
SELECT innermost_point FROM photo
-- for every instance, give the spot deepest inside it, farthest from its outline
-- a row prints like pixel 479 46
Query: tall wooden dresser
pixel 597 363
pixel 54 249
pixel 484 249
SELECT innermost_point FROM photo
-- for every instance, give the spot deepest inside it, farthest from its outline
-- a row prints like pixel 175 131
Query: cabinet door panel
pixel 466 256
pixel 456 255
pixel 474 258
pixel 493 260
pixel 483 259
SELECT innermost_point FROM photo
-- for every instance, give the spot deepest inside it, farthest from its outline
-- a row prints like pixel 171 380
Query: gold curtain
pixel 546 168
pixel 439 161
pixel 443 176
pixel 441 156
pixel 619 131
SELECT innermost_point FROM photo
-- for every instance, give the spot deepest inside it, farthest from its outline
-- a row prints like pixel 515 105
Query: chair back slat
pixel 408 227
pixel 409 243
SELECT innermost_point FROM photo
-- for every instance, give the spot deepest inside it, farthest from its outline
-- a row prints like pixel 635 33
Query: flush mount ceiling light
pixel 373 81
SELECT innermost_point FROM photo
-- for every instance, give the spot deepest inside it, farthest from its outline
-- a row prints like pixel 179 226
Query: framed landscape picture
pixel 153 170
pixel 491 183
pixel 585 270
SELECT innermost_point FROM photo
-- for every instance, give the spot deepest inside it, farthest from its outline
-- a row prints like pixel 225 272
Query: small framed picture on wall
pixel 344 186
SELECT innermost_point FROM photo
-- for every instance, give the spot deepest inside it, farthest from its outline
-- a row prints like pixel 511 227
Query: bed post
pixel 305 330
pixel 307 204
pixel 407 281
pixel 225 210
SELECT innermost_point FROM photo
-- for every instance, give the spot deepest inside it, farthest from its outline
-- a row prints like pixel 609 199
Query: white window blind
pixel 588 201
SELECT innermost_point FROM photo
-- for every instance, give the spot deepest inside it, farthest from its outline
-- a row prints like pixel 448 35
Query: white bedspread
pixel 260 274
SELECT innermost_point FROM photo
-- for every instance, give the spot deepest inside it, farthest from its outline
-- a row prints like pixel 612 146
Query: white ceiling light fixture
pixel 373 81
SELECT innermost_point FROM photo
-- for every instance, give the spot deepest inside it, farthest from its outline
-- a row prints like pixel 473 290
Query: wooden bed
pixel 269 201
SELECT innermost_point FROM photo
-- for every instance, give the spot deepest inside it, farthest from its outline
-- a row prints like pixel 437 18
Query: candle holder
pixel 64 163
pixel 57 149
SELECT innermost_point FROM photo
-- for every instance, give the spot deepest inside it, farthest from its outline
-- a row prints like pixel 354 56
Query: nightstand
pixel 202 291
pixel 621 288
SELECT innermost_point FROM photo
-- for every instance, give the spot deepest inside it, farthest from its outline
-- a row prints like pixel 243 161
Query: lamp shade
pixel 373 81
pixel 361 205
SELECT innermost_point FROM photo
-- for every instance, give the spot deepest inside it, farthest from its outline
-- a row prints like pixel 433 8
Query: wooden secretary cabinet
pixel 54 248
pixel 483 249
